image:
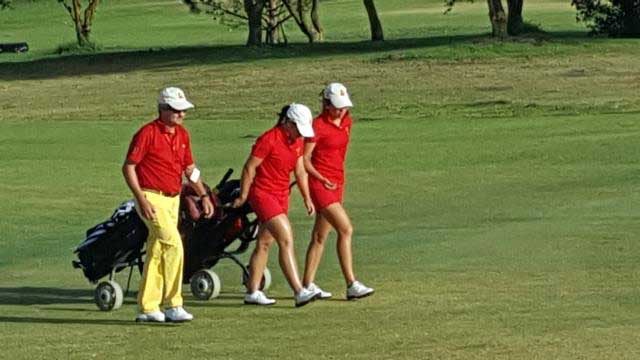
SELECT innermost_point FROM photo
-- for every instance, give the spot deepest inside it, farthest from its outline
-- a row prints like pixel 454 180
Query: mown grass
pixel 492 184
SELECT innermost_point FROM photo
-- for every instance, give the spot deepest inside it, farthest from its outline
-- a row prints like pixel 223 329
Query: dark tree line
pixel 265 19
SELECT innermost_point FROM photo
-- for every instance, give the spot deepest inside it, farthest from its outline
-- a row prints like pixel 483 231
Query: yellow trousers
pixel 162 274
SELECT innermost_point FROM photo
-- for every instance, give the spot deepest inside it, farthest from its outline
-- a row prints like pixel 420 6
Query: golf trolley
pixel 118 243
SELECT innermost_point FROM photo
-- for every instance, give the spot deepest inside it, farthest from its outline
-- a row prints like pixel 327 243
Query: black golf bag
pixel 112 245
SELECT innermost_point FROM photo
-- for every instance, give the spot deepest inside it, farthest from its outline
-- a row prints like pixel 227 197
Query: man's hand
pixel 148 211
pixel 207 207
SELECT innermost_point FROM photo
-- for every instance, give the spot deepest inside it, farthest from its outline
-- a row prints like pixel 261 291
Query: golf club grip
pixel 226 177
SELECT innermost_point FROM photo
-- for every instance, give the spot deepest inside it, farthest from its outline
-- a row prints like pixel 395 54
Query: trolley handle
pixel 226 177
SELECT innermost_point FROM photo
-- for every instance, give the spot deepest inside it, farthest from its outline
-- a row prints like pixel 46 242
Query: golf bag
pixel 206 241
pixel 112 245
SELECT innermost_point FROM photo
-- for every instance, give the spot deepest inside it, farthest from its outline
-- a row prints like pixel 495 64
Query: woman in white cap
pixel 324 156
pixel 265 185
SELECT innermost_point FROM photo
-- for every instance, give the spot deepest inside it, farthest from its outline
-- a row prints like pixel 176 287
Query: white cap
pixel 301 116
pixel 175 98
pixel 338 95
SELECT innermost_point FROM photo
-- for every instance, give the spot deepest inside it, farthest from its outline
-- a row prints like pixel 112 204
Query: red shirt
pixel 279 157
pixel 160 157
pixel 331 146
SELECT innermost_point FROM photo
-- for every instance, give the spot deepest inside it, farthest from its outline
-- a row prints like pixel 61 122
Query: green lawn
pixel 492 184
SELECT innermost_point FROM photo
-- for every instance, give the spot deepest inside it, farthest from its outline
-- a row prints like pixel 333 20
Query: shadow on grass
pixel 40 320
pixel 44 296
pixel 161 58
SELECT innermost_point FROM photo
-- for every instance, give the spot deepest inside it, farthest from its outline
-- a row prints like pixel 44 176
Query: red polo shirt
pixel 331 146
pixel 279 156
pixel 160 157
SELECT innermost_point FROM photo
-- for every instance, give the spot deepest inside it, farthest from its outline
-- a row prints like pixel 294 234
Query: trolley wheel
pixel 205 284
pixel 266 279
pixel 108 296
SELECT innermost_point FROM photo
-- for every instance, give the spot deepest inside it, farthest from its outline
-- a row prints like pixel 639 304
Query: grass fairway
pixel 492 184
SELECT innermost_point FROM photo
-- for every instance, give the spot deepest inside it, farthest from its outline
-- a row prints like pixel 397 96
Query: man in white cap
pixel 159 155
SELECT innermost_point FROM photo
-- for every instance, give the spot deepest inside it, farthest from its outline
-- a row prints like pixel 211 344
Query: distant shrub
pixel 616 18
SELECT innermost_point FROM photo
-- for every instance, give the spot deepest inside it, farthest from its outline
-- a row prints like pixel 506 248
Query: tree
pixel 315 19
pixel 82 20
pixel 515 23
pixel 299 15
pixel 264 18
pixel 616 18
pixel 5 4
pixel 502 23
pixel 498 18
pixel 374 21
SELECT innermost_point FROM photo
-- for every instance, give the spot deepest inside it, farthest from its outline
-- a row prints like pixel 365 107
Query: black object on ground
pixel 14 47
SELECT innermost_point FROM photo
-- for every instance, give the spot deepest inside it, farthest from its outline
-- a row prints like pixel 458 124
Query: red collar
pixel 284 135
pixel 325 117
pixel 164 129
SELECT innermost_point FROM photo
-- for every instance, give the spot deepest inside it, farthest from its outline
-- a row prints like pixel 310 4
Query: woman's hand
pixel 311 210
pixel 238 202
pixel 328 184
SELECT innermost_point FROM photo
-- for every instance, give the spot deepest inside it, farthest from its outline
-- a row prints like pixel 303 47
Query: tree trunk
pixel 89 12
pixel 514 20
pixel 272 20
pixel 298 16
pixel 498 18
pixel 254 8
pixel 304 25
pixel 374 21
pixel 77 21
pixel 315 20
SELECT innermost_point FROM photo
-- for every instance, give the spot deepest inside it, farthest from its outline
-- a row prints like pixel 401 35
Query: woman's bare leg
pixel 280 228
pixel 259 259
pixel 339 220
pixel 319 236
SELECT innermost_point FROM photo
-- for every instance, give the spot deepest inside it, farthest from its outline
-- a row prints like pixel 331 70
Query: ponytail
pixel 282 116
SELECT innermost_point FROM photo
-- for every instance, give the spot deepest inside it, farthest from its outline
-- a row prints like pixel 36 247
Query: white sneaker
pixel 177 314
pixel 258 298
pixel 305 296
pixel 321 293
pixel 357 290
pixel 156 316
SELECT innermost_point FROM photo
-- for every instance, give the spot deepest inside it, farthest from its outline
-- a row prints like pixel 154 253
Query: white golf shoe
pixel 357 290
pixel 305 296
pixel 155 316
pixel 177 314
pixel 258 298
pixel 322 294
